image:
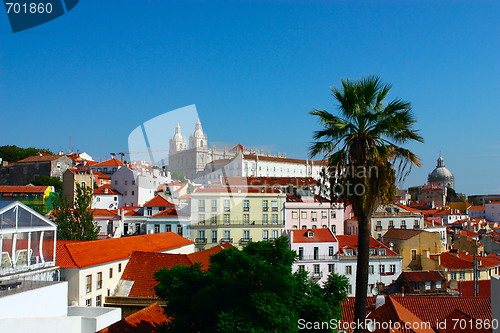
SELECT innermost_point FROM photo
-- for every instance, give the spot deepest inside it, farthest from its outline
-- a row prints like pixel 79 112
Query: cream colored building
pixel 236 216
pixel 71 177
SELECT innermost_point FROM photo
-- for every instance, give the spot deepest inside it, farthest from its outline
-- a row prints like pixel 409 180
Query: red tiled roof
pixel 348 308
pixel 102 190
pixel 351 242
pixel 22 189
pixel 476 208
pixel 104 212
pixel 433 309
pixel 423 276
pixel 100 175
pixel 143 321
pixel 170 212
pixel 319 235
pixel 410 209
pixel 454 323
pixel 91 253
pixel 158 201
pixel 39 158
pixel 142 265
pixel 469 233
pixel 111 162
pixel 132 213
pixel 235 190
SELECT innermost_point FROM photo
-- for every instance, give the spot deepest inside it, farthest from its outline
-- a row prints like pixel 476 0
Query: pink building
pixel 309 213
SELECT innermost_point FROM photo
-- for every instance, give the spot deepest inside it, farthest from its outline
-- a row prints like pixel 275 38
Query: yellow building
pixel 236 216
pixel 411 244
pixel 71 177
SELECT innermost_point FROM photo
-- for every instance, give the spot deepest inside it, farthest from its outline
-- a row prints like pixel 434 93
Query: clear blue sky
pixel 254 70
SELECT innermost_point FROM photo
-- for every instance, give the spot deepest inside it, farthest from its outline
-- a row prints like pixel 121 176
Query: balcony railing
pixel 226 240
pixel 275 209
pixel 317 257
pixel 200 240
pixel 378 227
pixel 201 209
pixel 316 276
pixel 245 240
pixel 387 273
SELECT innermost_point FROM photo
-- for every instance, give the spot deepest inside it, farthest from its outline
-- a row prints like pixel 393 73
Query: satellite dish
pixel 374 292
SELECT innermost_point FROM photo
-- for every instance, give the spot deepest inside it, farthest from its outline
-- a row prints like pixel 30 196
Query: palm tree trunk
pixel 362 272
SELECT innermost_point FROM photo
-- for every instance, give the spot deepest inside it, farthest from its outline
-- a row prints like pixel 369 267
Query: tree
pixel 176 175
pixel 253 290
pixel 75 221
pixel 365 158
pixel 45 180
pixel 14 153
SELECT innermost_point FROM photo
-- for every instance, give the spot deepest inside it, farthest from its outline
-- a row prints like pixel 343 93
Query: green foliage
pixel 14 153
pixel 253 290
pixel 176 175
pixel 45 180
pixel 190 188
pixel 75 222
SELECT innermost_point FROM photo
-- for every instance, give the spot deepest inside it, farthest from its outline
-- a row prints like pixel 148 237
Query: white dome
pixel 441 175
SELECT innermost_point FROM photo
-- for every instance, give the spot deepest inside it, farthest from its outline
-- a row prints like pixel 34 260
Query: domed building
pixel 441 175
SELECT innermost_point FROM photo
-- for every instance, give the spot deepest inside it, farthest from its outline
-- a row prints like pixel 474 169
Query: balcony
pixel 245 240
pixel 226 240
pixel 316 276
pixel 387 273
pixel 378 227
pixel 200 241
pixel 403 227
pixel 317 257
pixel 201 209
pixel 275 209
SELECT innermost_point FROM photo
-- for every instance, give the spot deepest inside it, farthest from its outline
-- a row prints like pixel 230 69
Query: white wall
pixel 495 300
pixel 48 301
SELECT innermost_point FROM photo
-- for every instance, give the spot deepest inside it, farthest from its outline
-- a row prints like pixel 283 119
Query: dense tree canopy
pixel 45 180
pixel 14 153
pixel 365 157
pixel 75 221
pixel 252 290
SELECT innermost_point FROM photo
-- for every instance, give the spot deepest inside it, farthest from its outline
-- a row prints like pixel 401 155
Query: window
pixel 227 206
pixel 201 235
pixel 334 229
pixel 150 211
pixel 214 218
pixel 265 206
pixel 201 218
pixel 157 228
pixel 265 234
pixel 349 289
pixel 246 235
pixel 227 219
pixel 214 236
pixel 379 225
pixel 348 270
pixel 462 275
pixel 381 252
pixel 227 235
pixel 119 268
pixel 304 227
pixel 372 252
pixel 168 227
pixel 302 268
pixel 111 273
pixel 438 284
pixel 275 234
pixel 334 215
pixel 133 182
pixel 416 224
pixel 116 182
pixel 316 253
pixel 99 280
pixel 133 192
pixel 316 270
pixel 89 283
pixel 371 269
pixel 125 193
pixel 314 215
pixel 246 205
pixel 294 214
pixel 264 219
pixel 275 218
pixel 413 254
pixel 416 285
pixel 427 285
pixel 115 198
pixel 304 214
pixel 179 229
pixel 331 268
pixel 98 300
pixel 381 269
pixel 324 214
pixel 125 182
pixel 330 251
pixel 393 268
pixel 274 204
pixel 391 224
pixel 214 205
pixel 453 276
pixel 201 205
pixel 88 302
pixel 403 224
pixel 246 218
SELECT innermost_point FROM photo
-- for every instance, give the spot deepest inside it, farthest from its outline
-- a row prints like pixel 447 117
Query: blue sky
pixel 254 70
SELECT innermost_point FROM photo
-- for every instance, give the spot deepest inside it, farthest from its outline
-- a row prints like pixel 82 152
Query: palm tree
pixel 365 158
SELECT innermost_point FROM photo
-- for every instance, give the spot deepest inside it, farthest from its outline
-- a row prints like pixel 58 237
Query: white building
pixel 492 211
pixel 137 186
pixel 395 216
pixel 93 268
pixel 106 198
pixel 476 212
pixel 317 252
pixel 384 267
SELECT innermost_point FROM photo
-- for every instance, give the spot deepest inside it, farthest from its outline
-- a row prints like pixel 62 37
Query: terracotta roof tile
pixel 351 242
pixel 143 321
pixel 158 201
pixel 476 208
pixel 319 235
pixel 170 212
pixel 22 189
pixel 467 288
pixel 103 212
pixel 455 324
pixel 91 253
pixel 40 158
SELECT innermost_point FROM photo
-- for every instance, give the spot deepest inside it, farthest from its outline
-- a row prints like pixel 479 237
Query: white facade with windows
pixel 395 216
